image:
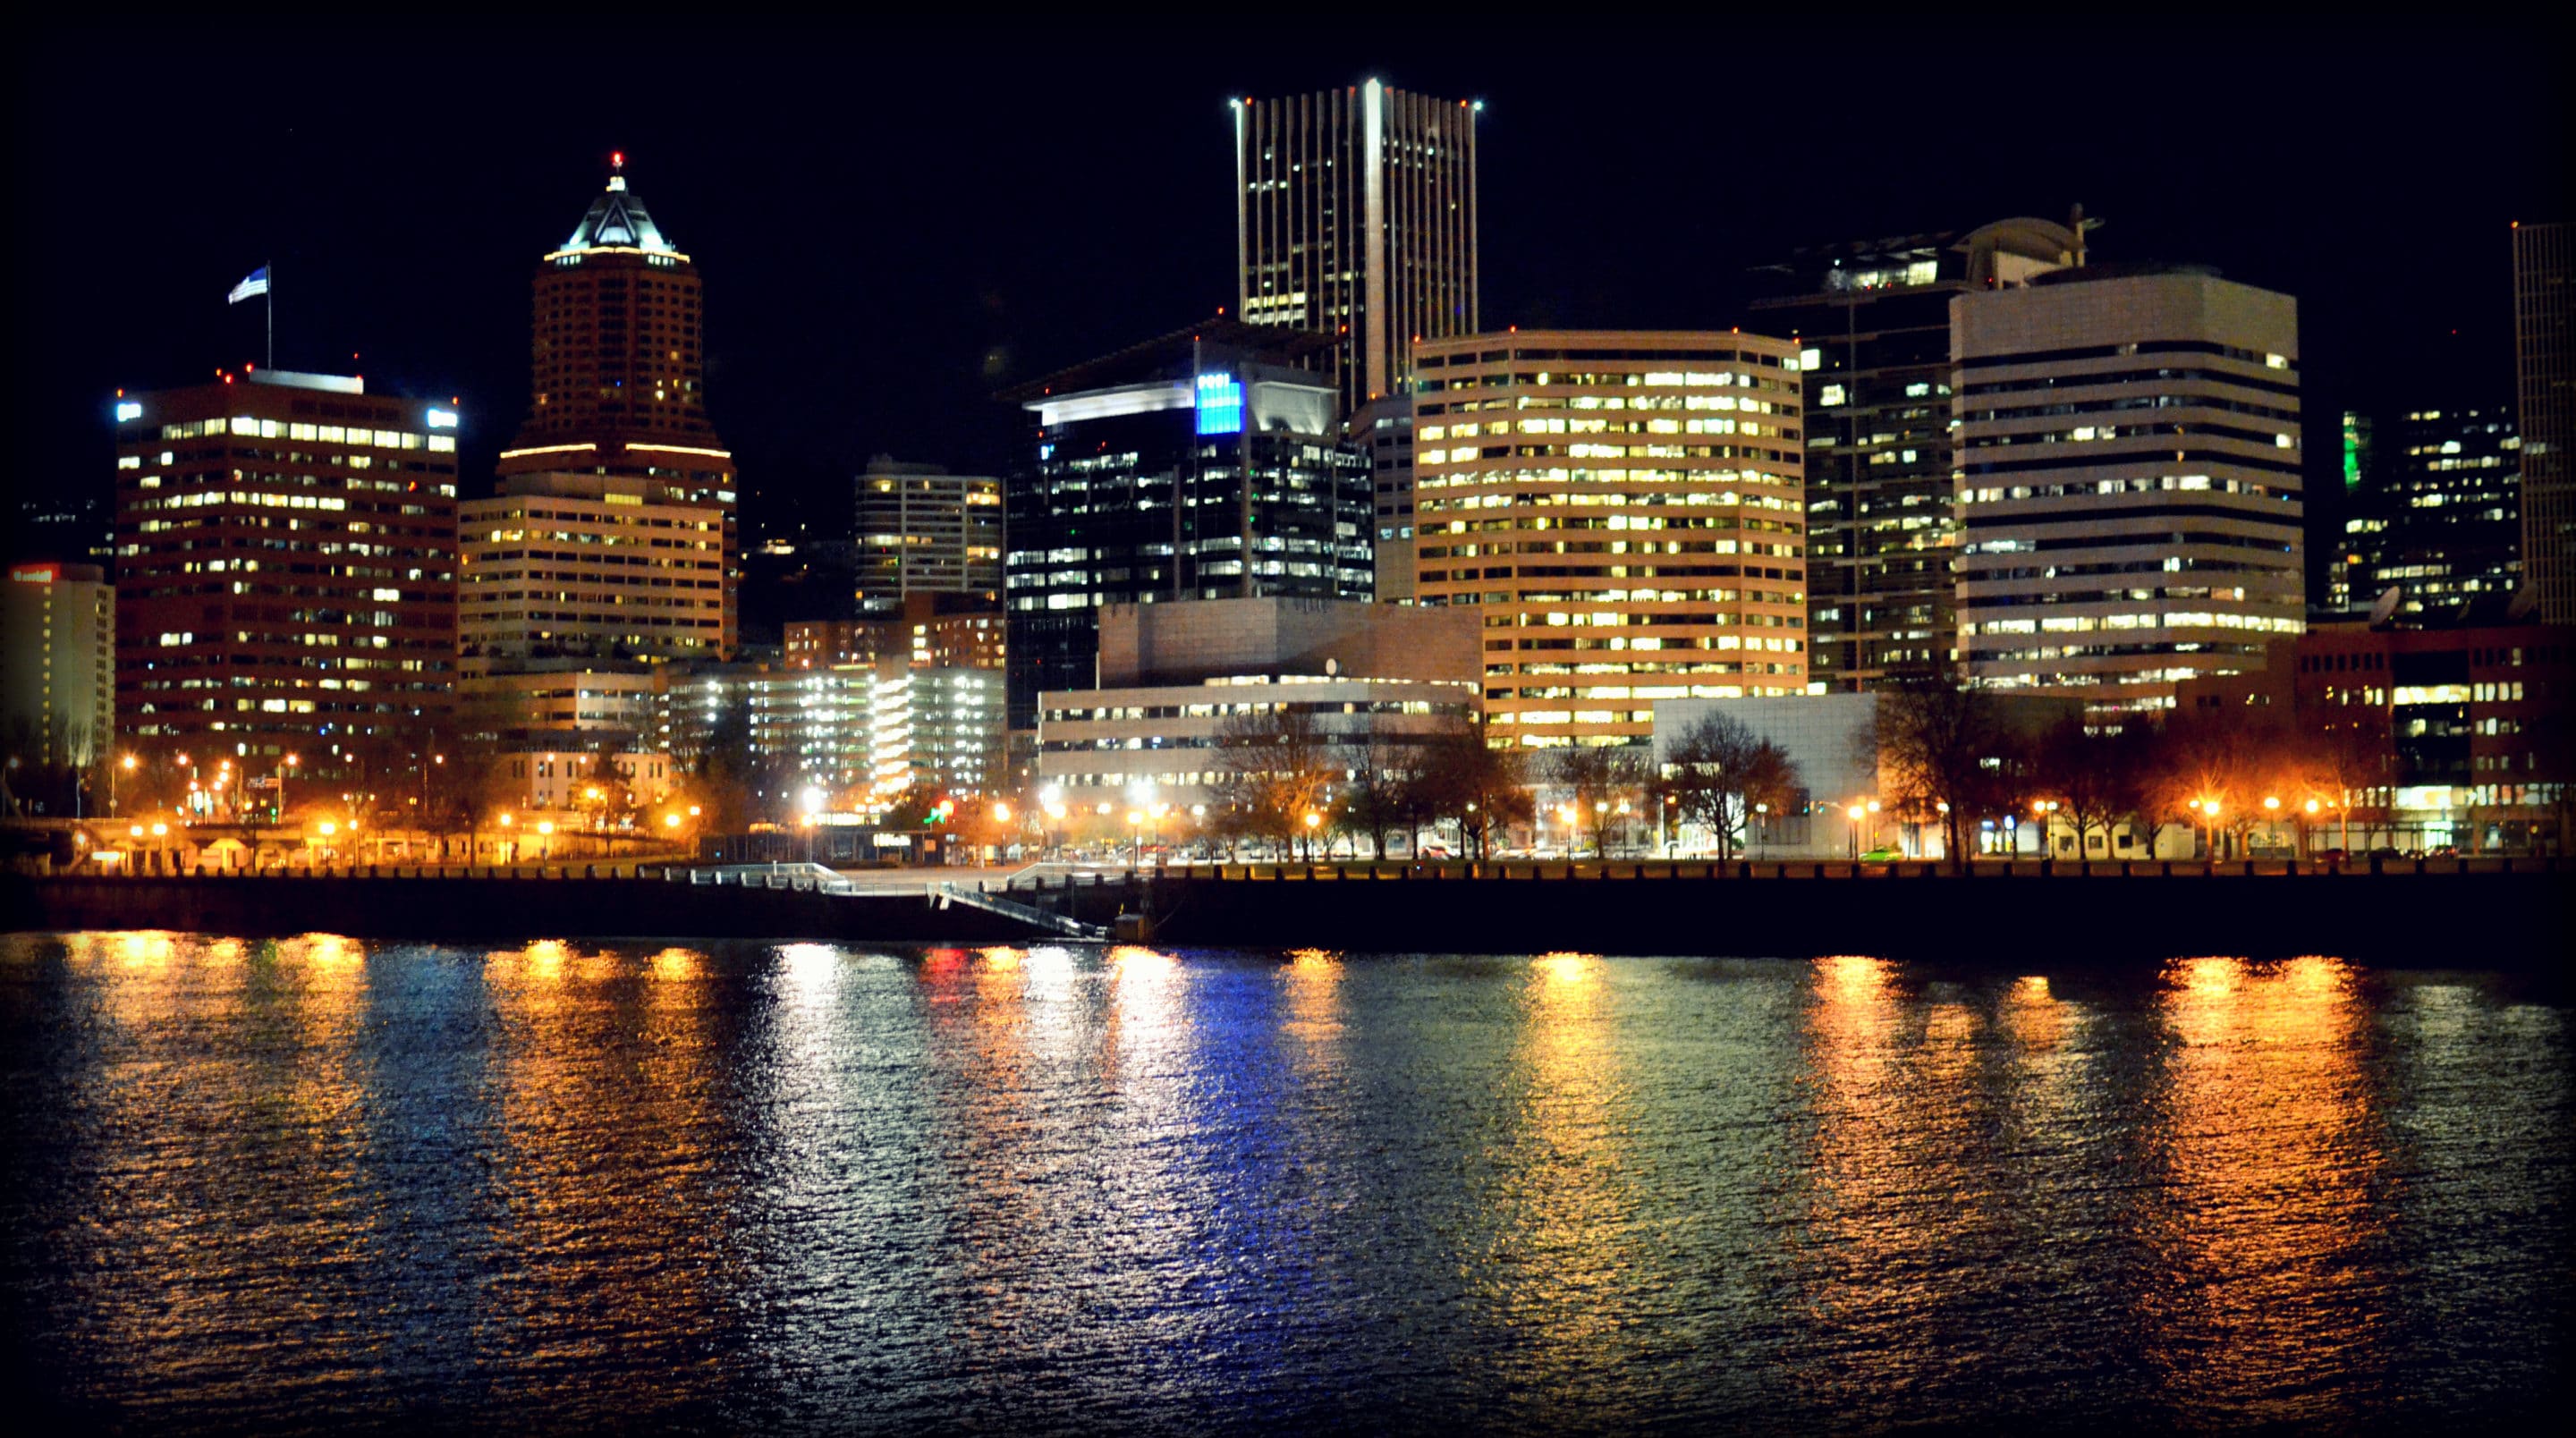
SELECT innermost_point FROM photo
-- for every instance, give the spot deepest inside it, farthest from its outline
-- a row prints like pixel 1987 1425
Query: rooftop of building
pixel 618 220
pixel 2126 270
pixel 1178 355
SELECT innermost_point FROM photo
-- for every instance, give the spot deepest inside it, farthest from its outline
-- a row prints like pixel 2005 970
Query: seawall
pixel 2466 915
pixel 488 908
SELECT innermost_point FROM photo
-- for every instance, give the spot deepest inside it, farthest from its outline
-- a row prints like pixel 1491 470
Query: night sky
pixel 890 229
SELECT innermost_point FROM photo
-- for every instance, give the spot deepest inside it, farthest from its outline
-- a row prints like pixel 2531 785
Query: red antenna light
pixel 617 159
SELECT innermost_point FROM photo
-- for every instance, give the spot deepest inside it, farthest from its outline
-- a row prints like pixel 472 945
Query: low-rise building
pixel 2463 737
pixel 552 780
pixel 1175 676
pixel 1829 738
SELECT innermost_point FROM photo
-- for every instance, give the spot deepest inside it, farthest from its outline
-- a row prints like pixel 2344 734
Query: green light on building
pixel 2356 448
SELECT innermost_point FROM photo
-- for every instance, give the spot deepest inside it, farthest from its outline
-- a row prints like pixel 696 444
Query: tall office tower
pixel 2546 390
pixel 1197 465
pixel 2128 474
pixel 58 664
pixel 1873 320
pixel 286 566
pixel 1628 512
pixel 2433 512
pixel 572 573
pixel 922 530
pixel 617 368
pixel 1355 216
pixel 1382 431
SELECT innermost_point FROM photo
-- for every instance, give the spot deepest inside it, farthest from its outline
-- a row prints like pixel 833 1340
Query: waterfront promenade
pixel 2412 912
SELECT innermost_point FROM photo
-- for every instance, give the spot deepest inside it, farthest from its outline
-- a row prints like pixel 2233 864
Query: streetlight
pixel 1313 820
pixel 2207 808
pixel 127 764
pixel 1857 812
pixel 2046 809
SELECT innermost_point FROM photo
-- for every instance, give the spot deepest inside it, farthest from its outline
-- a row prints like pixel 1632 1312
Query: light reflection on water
pixel 787 1185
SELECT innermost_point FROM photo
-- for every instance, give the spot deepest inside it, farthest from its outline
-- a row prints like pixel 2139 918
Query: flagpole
pixel 269 293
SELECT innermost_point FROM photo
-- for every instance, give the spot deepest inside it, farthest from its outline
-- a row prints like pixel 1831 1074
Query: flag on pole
pixel 253 285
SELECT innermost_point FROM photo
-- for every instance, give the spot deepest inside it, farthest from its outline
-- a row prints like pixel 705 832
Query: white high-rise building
pixel 2128 470
pixel 1355 217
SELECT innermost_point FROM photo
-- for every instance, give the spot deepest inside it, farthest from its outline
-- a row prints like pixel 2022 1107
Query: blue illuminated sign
pixel 128 411
pixel 1220 404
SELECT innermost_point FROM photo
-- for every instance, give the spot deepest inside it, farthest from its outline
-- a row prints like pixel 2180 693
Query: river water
pixel 318 1182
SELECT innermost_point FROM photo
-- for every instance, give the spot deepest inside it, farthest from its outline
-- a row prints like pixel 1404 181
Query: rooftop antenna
pixel 2081 226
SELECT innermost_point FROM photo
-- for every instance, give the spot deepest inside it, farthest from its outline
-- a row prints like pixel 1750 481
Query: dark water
pixel 265 1185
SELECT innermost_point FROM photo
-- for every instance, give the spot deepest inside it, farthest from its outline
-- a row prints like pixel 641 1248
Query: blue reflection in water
pixel 808 1185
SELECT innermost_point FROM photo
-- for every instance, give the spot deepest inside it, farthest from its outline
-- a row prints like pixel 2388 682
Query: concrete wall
pixel 1156 644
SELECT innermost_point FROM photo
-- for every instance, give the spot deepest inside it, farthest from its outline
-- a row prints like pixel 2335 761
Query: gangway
pixel 945 894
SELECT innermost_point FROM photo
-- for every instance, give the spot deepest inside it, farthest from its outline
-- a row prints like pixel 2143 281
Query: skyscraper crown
pixel 617 220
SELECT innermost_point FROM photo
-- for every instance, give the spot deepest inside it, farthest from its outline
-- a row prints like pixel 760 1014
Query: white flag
pixel 253 285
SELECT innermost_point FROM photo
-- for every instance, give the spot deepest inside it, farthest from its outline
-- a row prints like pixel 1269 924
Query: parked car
pixel 1881 856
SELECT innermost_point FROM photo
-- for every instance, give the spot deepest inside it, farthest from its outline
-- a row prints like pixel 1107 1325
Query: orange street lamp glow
pixel 1001 813
pixel 1857 813
pixel 1313 819
pixel 670 821
pixel 2312 806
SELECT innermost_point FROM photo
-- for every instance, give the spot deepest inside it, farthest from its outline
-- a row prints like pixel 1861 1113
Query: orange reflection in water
pixel 604 1066
pixel 1314 984
pixel 278 1103
pixel 1900 1091
pixel 2270 1148
pixel 1561 1244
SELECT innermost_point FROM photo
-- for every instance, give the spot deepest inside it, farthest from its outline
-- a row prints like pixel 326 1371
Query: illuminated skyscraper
pixel 2542 280
pixel 611 545
pixel 1355 216
pixel 922 530
pixel 57 663
pixel 1198 465
pixel 618 370
pixel 1626 510
pixel 286 566
pixel 2129 481
pixel 1873 318
pixel 2431 512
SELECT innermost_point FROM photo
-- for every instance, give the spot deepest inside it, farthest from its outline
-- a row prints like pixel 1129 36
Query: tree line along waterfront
pixel 1936 773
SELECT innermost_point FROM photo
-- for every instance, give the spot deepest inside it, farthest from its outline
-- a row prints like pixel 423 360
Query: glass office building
pixel 1198 465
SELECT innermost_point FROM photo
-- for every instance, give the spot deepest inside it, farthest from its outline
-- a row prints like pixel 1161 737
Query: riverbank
pixel 449 905
pixel 2429 914
pixel 2418 914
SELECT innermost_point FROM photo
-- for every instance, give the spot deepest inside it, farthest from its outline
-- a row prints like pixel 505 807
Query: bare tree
pixel 1383 788
pixel 1483 788
pixel 1602 779
pixel 1719 769
pixel 1944 754
pixel 2095 779
pixel 1277 767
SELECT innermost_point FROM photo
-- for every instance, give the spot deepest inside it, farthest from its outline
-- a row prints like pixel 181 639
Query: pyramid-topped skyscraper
pixel 611 546
pixel 618 359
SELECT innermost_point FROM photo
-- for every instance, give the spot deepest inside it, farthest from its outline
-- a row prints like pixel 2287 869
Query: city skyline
pixel 1006 260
